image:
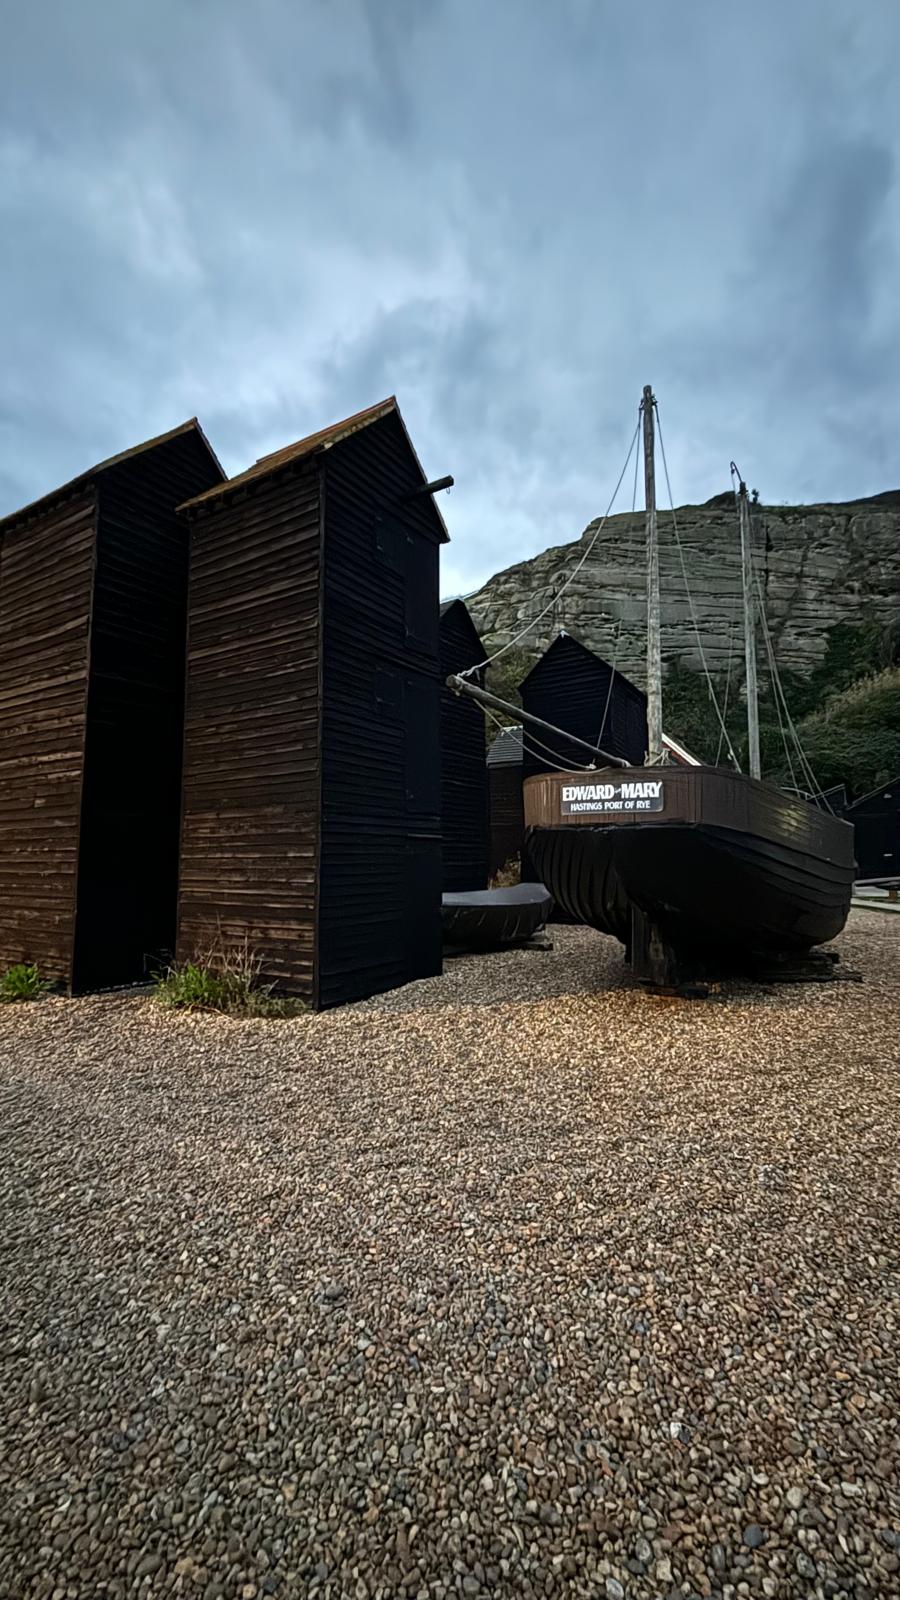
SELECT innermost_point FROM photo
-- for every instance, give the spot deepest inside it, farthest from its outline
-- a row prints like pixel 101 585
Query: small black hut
pixel 311 811
pixel 876 819
pixel 464 780
pixel 576 690
pixel 93 581
pixel 504 763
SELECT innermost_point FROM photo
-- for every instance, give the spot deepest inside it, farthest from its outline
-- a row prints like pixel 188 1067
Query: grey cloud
pixel 510 215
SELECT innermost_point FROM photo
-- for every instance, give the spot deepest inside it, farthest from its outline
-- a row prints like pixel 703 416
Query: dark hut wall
pixel 379 911
pixel 128 872
pixel 507 814
pixel 876 821
pixel 464 791
pixel 251 758
pixel 575 690
pixel 46 581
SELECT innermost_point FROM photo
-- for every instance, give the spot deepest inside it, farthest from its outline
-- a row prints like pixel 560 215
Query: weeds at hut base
pixel 227 978
pixel 507 876
pixel 21 982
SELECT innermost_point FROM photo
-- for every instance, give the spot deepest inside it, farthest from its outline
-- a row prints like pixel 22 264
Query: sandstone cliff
pixel 819 566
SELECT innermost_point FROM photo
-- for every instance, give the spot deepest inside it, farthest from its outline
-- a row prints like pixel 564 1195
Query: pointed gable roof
pixel 313 444
pixel 84 479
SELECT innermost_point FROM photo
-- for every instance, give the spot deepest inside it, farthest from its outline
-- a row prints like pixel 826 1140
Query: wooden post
pixel 749 633
pixel 654 658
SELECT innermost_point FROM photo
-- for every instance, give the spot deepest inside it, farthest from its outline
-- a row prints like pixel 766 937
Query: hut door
pixel 422 907
pixel 423 749
pixel 420 596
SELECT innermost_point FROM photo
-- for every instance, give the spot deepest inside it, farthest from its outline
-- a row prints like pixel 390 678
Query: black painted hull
pixel 717 895
pixel 487 919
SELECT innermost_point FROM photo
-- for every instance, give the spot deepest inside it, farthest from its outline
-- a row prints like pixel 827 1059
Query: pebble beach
pixel 514 1282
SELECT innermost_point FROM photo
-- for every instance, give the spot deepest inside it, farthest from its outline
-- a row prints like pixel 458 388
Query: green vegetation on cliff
pixel 846 713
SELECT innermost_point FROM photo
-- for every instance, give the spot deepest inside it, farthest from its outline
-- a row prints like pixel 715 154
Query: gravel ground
pixel 515 1282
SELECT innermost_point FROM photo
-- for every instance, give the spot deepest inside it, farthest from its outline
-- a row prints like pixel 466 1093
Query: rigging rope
pixel 690 598
pixel 773 673
pixel 609 688
pixel 548 753
pixel 779 696
pixel 637 462
pixel 806 770
pixel 573 574
pixel 734 607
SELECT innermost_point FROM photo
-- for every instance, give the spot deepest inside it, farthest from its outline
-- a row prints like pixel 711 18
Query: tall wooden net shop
pixel 580 694
pixel 311 798
pixel 223 720
pixel 464 774
pixel 93 585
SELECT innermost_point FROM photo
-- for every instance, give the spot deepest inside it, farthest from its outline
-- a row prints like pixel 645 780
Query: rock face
pixel 817 566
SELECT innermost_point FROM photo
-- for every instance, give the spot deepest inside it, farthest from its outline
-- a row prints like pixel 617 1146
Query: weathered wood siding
pixel 464 780
pixel 251 756
pixel 876 819
pixel 507 814
pixel 578 692
pixel 46 581
pixel 379 918
pixel 128 874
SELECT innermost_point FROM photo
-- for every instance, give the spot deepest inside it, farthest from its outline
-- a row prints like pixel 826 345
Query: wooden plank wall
pixel 379 920
pixel 251 756
pixel 128 873
pixel 570 687
pixel 464 780
pixel 46 574
pixel 876 818
pixel 507 814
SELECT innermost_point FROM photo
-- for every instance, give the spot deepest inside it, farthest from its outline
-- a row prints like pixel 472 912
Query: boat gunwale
pixel 714 796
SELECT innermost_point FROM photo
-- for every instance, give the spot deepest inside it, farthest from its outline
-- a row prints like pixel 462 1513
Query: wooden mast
pixel 749 633
pixel 654 658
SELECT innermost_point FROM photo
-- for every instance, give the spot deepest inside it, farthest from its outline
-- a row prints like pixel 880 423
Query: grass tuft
pixel 507 876
pixel 21 982
pixel 227 978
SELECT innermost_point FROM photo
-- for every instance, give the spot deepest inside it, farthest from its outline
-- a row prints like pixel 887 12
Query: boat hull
pixel 726 871
pixel 488 919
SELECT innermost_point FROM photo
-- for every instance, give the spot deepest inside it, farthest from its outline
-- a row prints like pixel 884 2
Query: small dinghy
pixel 488 919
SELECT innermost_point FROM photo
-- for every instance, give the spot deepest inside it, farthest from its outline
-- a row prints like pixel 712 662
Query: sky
pixel 510 214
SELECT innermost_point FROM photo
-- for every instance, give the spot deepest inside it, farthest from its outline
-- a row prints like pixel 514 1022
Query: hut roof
pixel 43 503
pixel 874 794
pixel 313 444
pixel 456 611
pixel 565 642
pixel 506 749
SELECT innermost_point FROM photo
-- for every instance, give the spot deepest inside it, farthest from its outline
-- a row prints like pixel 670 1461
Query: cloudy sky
pixel 510 213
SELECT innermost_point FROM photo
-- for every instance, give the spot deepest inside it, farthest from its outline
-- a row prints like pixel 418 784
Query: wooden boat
pixel 697 870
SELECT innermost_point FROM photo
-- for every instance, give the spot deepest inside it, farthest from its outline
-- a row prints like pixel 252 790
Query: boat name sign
pixel 630 794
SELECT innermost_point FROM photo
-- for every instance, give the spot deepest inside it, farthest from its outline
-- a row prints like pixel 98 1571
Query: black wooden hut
pixel 464 780
pixel 876 819
pixel 311 807
pixel 578 691
pixel 93 581
pixel 504 762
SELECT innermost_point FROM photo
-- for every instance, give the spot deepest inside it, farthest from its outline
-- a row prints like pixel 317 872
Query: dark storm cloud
pixel 510 215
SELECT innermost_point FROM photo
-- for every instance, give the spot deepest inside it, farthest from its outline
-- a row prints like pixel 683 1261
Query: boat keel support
pixel 656 965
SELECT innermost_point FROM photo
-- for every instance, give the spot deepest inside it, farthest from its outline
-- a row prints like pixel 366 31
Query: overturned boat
pixel 489 919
